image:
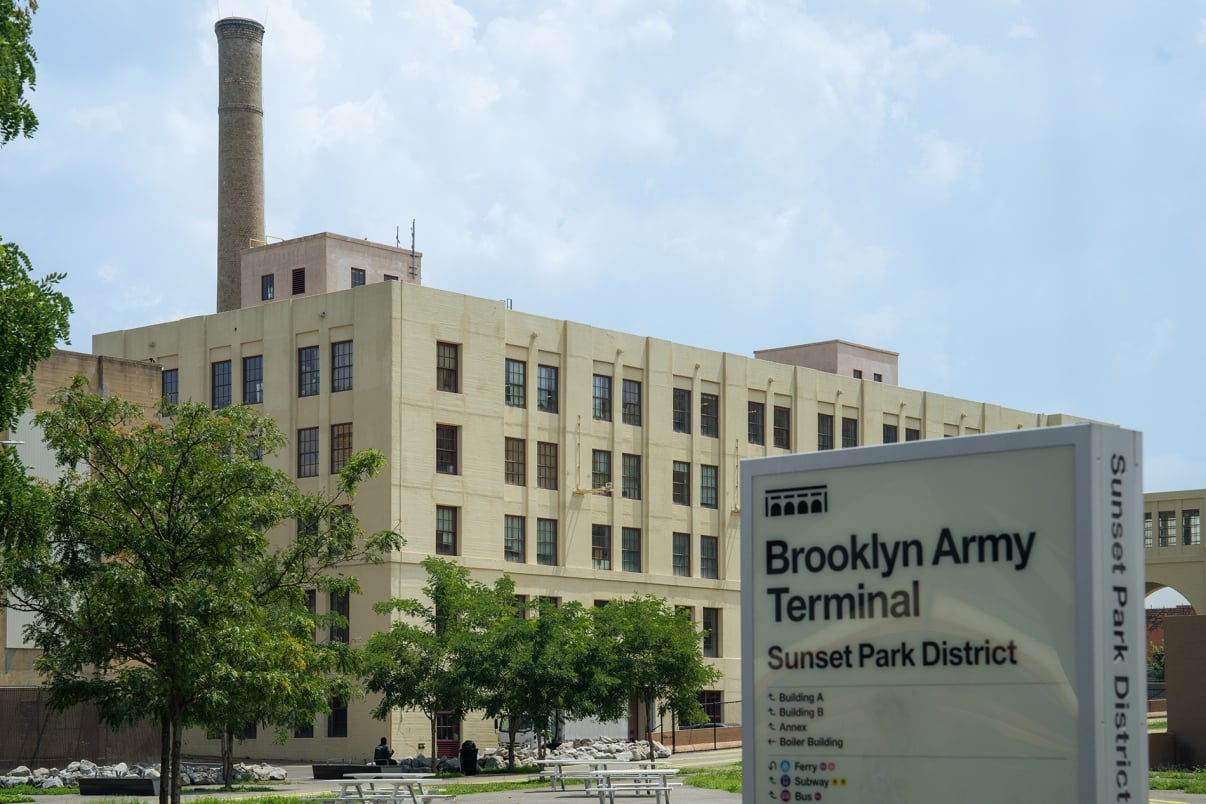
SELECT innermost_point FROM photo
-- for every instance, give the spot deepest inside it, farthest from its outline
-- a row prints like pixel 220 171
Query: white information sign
pixel 946 620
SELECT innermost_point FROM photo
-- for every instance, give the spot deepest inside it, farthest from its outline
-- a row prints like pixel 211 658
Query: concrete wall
pixel 1185 655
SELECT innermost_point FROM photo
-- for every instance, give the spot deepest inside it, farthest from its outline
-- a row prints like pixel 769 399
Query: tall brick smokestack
pixel 240 150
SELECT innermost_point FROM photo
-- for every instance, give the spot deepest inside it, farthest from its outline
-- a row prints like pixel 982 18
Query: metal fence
pixel 723 730
pixel 35 735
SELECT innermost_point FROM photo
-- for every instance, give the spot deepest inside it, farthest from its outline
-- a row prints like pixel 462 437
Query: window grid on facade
pixel 630 476
pixel 448 367
pixel 337 720
pixel 299 281
pixel 1147 528
pixel 219 384
pixel 708 481
pixel 756 422
pixel 341 604
pixel 546 465
pixel 546 388
pixel 515 461
pixel 824 431
pixel 912 434
pixel 601 397
pixel 546 542
pixel 600 546
pixel 307 452
pixel 849 432
pixel 600 468
pixel 357 277
pixel 1191 526
pixel 709 557
pixel 341 446
pixel 782 425
pixel 447 448
pixel 341 366
pixel 630 402
pixel 710 621
pixel 253 380
pixel 630 549
pixel 515 383
pixel 709 415
pixel 1166 528
pixel 890 434
pixel 307 371
pixel 267 287
pixel 446 530
pixel 514 548
pixel 681 483
pixel 169 386
pixel 681 412
pixel 680 554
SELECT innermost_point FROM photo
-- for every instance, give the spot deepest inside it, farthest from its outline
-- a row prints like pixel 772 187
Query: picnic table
pixel 388 788
pixel 557 770
pixel 639 781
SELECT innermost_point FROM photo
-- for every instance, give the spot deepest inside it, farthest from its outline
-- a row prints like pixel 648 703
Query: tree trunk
pixel 650 712
pixel 165 757
pixel 177 747
pixel 227 758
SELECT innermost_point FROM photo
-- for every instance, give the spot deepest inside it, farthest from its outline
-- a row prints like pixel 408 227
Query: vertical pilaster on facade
pixel 240 150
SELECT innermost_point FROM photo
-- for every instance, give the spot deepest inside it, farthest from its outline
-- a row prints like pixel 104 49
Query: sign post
pixel 946 620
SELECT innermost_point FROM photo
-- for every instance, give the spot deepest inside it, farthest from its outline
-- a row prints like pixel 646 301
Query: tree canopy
pixel 17 73
pixel 155 591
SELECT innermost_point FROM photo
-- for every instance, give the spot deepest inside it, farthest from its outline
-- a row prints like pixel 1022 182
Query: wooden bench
pixel 118 786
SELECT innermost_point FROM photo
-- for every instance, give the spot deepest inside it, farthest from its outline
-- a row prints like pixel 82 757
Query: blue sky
pixel 1006 193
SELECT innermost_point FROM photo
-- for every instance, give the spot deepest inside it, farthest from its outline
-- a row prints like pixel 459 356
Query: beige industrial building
pixel 587 464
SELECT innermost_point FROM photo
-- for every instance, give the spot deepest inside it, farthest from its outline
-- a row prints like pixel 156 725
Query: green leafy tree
pixel 17 74
pixel 155 591
pixel 423 661
pixel 1155 664
pixel 650 652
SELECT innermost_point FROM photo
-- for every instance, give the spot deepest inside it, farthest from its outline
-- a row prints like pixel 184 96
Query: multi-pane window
pixel 600 468
pixel 446 530
pixel 514 546
pixel 341 366
pixel 710 621
pixel 1147 528
pixel 515 462
pixel 546 465
pixel 307 452
pixel 912 434
pixel 515 378
pixel 299 281
pixel 681 483
pixel 712 702
pixel 341 604
pixel 782 427
pixel 337 721
pixel 680 554
pixel 709 415
pixel 219 384
pixel 1191 526
pixel 448 367
pixel 877 377
pixel 681 410
pixel 307 371
pixel 546 542
pixel 546 388
pixel 253 380
pixel 709 557
pixel 267 287
pixel 357 277
pixel 447 448
pixel 824 431
pixel 630 549
pixel 169 385
pixel 858 374
pixel 890 434
pixel 600 546
pixel 601 397
pixel 341 446
pixel 756 422
pixel 849 432
pixel 1166 528
pixel 630 476
pixel 630 401
pixel 708 479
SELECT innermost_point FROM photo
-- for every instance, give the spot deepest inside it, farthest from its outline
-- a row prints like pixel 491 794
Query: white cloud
pixel 1202 31
pixel 655 29
pixel 942 163
pixel 1021 30
pixel 107 119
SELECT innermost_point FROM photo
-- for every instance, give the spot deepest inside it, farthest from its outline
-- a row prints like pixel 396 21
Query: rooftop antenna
pixel 397 241
pixel 412 248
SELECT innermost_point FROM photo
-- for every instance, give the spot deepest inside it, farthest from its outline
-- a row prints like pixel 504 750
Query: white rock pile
pixel 191 774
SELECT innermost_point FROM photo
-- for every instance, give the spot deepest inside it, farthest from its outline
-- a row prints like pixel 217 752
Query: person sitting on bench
pixel 382 754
